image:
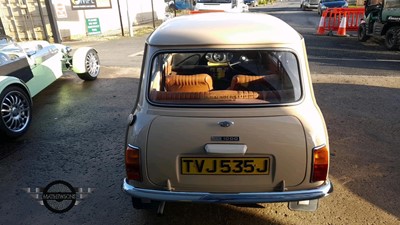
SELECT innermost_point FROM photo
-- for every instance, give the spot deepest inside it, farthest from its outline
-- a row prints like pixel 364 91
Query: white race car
pixel 26 68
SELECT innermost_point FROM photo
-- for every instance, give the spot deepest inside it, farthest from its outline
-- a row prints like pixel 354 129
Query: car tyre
pixel 92 66
pixel 138 204
pixel 16 112
pixel 392 38
pixel 362 32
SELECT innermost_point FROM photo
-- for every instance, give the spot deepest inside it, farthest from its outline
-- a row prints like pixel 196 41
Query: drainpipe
pixel 53 21
pixel 46 34
pixel 152 14
pixel 174 8
pixel 120 18
pixel 129 19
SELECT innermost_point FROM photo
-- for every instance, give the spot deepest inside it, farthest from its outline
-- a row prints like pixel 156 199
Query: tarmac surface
pixel 78 129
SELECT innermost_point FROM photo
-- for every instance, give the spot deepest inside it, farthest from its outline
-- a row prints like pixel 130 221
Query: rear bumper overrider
pixel 205 197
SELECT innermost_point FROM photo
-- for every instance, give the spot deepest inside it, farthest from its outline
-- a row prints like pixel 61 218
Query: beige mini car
pixel 226 114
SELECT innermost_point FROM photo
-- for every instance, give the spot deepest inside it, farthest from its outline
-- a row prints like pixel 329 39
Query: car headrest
pixel 189 83
pixel 248 82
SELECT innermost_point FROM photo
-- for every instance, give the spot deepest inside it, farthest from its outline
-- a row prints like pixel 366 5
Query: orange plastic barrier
pixel 354 16
pixel 332 17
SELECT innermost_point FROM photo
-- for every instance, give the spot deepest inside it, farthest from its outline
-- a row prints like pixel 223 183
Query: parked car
pixel 234 6
pixel 309 4
pixel 29 67
pixel 227 116
pixel 252 3
pixel 325 4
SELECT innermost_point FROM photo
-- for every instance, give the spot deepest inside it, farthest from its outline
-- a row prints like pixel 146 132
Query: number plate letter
pixel 225 167
pixel 199 166
pixel 248 165
pixel 214 169
pixel 238 166
pixel 265 168
pixel 187 163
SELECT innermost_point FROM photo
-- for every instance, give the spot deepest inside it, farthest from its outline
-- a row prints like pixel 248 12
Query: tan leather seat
pixel 189 83
pixel 249 83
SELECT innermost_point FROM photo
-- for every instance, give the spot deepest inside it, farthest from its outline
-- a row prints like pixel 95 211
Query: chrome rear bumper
pixel 204 197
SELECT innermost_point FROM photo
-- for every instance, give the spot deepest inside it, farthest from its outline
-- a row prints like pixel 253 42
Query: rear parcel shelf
pixel 223 95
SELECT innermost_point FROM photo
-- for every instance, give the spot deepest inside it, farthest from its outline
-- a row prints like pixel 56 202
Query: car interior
pixel 234 77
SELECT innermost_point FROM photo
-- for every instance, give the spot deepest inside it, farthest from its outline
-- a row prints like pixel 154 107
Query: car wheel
pixel 392 38
pixel 362 32
pixel 16 112
pixel 92 66
pixel 138 204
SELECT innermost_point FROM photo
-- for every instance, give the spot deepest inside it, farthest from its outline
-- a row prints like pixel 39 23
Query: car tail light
pixel 320 164
pixel 132 163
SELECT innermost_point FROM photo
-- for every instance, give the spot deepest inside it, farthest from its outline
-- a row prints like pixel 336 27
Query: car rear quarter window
pixel 237 77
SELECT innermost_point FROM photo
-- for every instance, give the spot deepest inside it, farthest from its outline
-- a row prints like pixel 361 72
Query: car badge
pixel 226 123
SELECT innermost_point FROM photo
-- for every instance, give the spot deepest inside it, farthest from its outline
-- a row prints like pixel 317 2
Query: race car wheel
pixel 392 39
pixel 362 32
pixel 16 111
pixel 92 66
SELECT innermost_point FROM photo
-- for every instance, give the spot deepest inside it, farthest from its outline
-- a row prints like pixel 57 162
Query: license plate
pixel 225 166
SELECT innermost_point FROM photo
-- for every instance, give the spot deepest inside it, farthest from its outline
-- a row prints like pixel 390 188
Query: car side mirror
pixel 30 52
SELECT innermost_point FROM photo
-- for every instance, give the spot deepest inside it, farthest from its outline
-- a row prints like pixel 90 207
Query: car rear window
pixel 237 77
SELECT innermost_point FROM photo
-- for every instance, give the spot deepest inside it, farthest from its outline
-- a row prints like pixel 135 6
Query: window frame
pixel 149 75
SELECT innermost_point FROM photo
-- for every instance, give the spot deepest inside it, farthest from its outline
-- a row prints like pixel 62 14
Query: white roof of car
pixel 224 29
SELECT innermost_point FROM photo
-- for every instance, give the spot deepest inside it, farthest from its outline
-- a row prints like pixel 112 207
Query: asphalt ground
pixel 78 132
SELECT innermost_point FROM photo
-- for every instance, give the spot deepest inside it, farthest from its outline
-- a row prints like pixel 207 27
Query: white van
pixel 223 5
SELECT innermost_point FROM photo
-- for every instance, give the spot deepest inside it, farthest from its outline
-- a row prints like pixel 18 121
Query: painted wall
pixel 24 20
pixel 72 23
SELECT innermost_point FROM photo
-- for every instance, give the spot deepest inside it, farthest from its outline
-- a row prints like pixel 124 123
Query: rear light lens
pixel 320 164
pixel 132 163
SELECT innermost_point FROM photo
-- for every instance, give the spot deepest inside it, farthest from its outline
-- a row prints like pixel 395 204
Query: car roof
pixel 223 29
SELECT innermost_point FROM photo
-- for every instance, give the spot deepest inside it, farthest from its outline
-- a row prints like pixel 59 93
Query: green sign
pixel 93 26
